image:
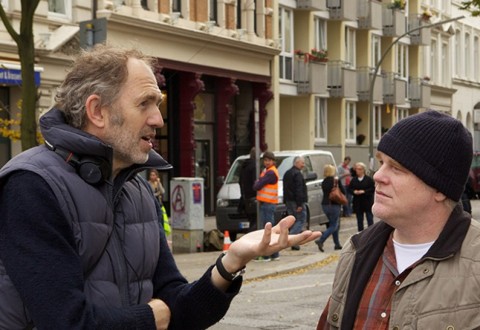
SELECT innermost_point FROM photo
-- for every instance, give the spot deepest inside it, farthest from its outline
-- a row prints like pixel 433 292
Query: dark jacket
pixel 364 202
pixel 81 256
pixel 294 187
pixel 327 185
pixel 248 175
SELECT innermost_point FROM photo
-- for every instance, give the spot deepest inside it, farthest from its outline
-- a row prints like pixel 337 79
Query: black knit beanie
pixel 435 147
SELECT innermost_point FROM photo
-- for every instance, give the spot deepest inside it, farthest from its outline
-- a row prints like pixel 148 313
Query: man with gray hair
pixel 81 240
pixel 295 195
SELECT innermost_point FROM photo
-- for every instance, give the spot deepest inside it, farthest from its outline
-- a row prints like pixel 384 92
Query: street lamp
pixel 377 67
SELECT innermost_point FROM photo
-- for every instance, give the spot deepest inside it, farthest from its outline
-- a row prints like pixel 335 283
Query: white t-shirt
pixel 407 254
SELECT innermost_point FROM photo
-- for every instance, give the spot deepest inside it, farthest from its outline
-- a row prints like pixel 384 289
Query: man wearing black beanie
pixel 419 266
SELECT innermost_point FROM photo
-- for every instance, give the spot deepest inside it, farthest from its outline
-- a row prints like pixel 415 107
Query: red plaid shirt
pixel 374 308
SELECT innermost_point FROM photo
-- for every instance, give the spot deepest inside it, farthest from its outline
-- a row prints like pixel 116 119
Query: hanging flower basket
pixel 318 55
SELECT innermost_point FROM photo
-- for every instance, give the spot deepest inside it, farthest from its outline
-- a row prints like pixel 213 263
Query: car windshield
pixel 283 165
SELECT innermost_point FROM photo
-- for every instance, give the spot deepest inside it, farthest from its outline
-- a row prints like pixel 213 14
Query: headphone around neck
pixel 93 170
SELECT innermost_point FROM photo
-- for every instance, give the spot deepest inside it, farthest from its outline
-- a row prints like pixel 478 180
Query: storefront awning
pixel 11 74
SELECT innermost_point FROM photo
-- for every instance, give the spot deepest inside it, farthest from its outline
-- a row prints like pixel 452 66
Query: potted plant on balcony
pixel 318 55
pixel 397 4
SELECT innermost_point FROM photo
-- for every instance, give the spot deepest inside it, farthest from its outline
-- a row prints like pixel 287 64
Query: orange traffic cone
pixel 226 240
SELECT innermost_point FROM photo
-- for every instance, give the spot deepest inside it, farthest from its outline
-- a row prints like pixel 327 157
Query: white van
pixel 227 215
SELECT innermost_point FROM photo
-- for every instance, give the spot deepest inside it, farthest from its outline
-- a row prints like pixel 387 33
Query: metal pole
pixel 377 67
pixel 256 117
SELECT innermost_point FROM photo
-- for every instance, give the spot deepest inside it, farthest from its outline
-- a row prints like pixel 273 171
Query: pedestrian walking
pixel 82 244
pixel 267 195
pixel 330 208
pixel 416 268
pixel 362 188
pixel 295 195
pixel 345 176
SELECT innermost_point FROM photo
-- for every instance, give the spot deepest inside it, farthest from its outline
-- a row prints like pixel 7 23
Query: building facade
pixel 430 68
pixel 327 74
pixel 214 60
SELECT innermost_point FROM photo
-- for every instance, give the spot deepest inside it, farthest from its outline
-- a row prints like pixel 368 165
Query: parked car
pixel 475 173
pixel 228 197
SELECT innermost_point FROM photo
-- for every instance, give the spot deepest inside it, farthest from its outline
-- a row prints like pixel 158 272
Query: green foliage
pixel 473 6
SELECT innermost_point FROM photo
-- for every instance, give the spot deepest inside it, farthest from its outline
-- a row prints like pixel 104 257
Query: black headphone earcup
pixel 90 171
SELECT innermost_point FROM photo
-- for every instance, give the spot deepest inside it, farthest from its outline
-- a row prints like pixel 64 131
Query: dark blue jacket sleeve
pixel 38 251
pixel 196 305
pixel 268 178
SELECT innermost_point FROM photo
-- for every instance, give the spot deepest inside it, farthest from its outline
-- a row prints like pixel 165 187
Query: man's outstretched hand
pixel 262 242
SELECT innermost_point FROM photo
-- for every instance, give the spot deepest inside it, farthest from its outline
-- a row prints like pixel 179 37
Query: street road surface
pixel 291 301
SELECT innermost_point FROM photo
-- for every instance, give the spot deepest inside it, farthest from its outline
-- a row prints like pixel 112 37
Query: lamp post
pixel 377 67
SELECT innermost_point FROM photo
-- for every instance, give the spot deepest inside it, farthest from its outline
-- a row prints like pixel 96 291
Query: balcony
pixel 394 89
pixel 369 15
pixel 344 10
pixel 393 22
pixel 311 5
pixel 342 80
pixel 422 36
pixel 419 93
pixel 364 78
pixel 311 77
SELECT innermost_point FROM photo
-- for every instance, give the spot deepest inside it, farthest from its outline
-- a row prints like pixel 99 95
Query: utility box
pixel 187 214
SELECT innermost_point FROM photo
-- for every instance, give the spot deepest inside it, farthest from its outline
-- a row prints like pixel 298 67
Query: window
pixel 401 113
pixel 350 46
pixel 351 119
pixel 476 58
pixel 320 33
pixel 320 120
pixel 445 63
pixel 212 13
pixel 286 39
pixel 402 61
pixel 376 50
pixel 468 63
pixel 458 54
pixel 434 60
pixel 60 8
pixel 377 120
pixel 176 6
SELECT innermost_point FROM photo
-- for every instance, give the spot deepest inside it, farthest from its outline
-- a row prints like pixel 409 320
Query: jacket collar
pixel 59 134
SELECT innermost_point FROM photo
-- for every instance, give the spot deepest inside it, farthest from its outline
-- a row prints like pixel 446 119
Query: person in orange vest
pixel 267 195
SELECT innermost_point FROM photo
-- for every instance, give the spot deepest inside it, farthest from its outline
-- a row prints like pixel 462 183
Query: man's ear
pixel 440 197
pixel 94 112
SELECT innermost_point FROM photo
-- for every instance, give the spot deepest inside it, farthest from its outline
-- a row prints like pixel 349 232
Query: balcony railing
pixel 369 14
pixel 394 89
pixel 311 77
pixel 419 93
pixel 422 36
pixel 364 78
pixel 342 80
pixel 345 10
pixel 393 22
pixel 312 5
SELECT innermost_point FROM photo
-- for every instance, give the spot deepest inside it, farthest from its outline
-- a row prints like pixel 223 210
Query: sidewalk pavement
pixel 194 265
